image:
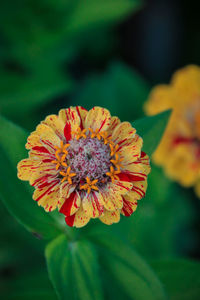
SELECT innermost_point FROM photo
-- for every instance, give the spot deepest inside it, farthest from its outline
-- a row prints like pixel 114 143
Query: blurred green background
pixel 110 53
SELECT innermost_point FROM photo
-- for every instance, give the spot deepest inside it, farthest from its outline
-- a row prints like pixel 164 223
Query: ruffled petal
pixel 122 186
pixel 110 217
pixel 42 171
pixel 123 134
pixel 93 204
pixel 70 117
pixel 54 122
pixel 82 113
pixel 98 118
pixel 114 122
pixel 112 199
pixel 48 196
pixel 33 141
pixel 71 204
pixel 131 153
pixel 42 154
pixel 129 206
pixel 26 168
pixel 79 219
pixel 112 194
pixel 43 137
pixel 41 181
pixel 139 169
pixel 138 190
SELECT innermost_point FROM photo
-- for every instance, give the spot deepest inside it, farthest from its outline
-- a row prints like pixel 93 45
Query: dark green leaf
pixel 151 130
pixel 120 89
pixel 128 269
pixel 180 277
pixel 92 13
pixel 30 92
pixel 73 269
pixel 15 194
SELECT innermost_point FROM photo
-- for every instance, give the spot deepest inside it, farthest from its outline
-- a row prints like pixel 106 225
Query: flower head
pixel 179 150
pixel 87 164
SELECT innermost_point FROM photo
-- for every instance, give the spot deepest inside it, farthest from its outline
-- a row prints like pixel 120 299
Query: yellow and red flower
pixel 179 150
pixel 87 164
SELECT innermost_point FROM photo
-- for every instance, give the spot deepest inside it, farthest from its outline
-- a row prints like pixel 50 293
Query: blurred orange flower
pixel 179 150
pixel 87 164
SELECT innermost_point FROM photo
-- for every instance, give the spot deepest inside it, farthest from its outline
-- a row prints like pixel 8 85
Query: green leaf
pixel 151 130
pixel 28 93
pixel 180 277
pixel 15 194
pixel 128 269
pixel 93 13
pixel 73 269
pixel 174 234
pixel 119 89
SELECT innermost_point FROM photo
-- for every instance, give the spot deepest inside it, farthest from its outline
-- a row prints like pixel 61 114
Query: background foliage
pixel 109 53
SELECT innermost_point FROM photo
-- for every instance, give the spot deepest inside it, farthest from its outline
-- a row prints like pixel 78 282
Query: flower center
pixel 89 160
pixel 89 157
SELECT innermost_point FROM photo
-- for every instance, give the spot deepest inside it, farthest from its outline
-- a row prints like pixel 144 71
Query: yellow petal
pixel 98 118
pixel 70 115
pixel 82 113
pixel 48 137
pixel 113 124
pixel 112 198
pixel 26 168
pixel 54 122
pixel 80 218
pixel 65 190
pixel 42 171
pixel 138 191
pixel 161 98
pixel 70 204
pixel 33 141
pixel 140 167
pixel 123 133
pixel 48 196
pixel 92 204
pixel 132 152
pixel 129 206
pixel 121 187
pixel 110 217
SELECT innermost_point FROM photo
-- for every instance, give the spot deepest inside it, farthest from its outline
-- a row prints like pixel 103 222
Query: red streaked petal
pixel 110 217
pixel 139 169
pixel 123 132
pixel 98 118
pixel 79 219
pixel 71 204
pixel 113 124
pixel 131 150
pixel 26 168
pixel 67 131
pixel 124 177
pixel 54 122
pixel 138 190
pixel 70 220
pixel 48 196
pixel 92 204
pixel 82 113
pixel 122 187
pixel 128 207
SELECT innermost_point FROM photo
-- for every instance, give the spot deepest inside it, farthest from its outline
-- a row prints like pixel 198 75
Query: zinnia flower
pixel 87 164
pixel 179 150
